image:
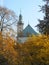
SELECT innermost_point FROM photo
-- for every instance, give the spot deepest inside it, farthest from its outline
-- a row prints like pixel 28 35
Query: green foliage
pixel 43 25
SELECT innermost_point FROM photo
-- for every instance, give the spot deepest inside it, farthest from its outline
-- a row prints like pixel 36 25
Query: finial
pixel 20 11
pixel 28 22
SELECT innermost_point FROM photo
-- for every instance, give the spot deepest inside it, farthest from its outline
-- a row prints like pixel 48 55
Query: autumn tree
pixel 7 18
pixel 7 52
pixel 8 55
pixel 43 25
pixel 3 60
pixel 35 51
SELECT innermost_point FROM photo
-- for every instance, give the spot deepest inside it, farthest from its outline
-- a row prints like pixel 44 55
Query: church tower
pixel 20 26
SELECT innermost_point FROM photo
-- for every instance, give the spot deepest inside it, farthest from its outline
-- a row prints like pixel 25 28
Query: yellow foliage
pixel 38 48
pixel 35 51
pixel 6 48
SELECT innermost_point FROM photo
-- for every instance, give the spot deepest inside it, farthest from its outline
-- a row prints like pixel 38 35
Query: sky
pixel 29 10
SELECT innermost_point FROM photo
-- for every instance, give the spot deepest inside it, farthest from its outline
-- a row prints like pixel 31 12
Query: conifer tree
pixel 43 25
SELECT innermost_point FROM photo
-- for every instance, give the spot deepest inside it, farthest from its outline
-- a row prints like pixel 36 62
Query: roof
pixel 28 31
pixel 20 20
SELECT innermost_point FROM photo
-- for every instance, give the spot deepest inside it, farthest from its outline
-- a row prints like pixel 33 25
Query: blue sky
pixel 29 10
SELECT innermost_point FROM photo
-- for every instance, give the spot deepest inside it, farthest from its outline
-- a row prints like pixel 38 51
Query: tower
pixel 20 26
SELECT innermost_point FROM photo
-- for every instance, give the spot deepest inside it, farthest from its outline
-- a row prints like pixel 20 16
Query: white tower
pixel 20 27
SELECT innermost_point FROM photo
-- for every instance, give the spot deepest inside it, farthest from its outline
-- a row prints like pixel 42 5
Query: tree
pixel 3 61
pixel 35 51
pixel 7 18
pixel 43 25
pixel 8 55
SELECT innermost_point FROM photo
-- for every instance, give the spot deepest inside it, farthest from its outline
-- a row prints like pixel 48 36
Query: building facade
pixel 23 34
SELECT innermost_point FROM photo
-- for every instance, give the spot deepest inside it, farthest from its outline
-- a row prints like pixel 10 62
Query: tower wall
pixel 20 27
pixel 19 30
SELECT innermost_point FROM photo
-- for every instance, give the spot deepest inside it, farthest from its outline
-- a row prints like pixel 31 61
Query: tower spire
pixel 28 22
pixel 20 17
pixel 20 11
pixel 20 26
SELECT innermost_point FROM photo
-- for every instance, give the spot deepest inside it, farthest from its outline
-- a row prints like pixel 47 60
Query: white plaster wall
pixel 22 39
